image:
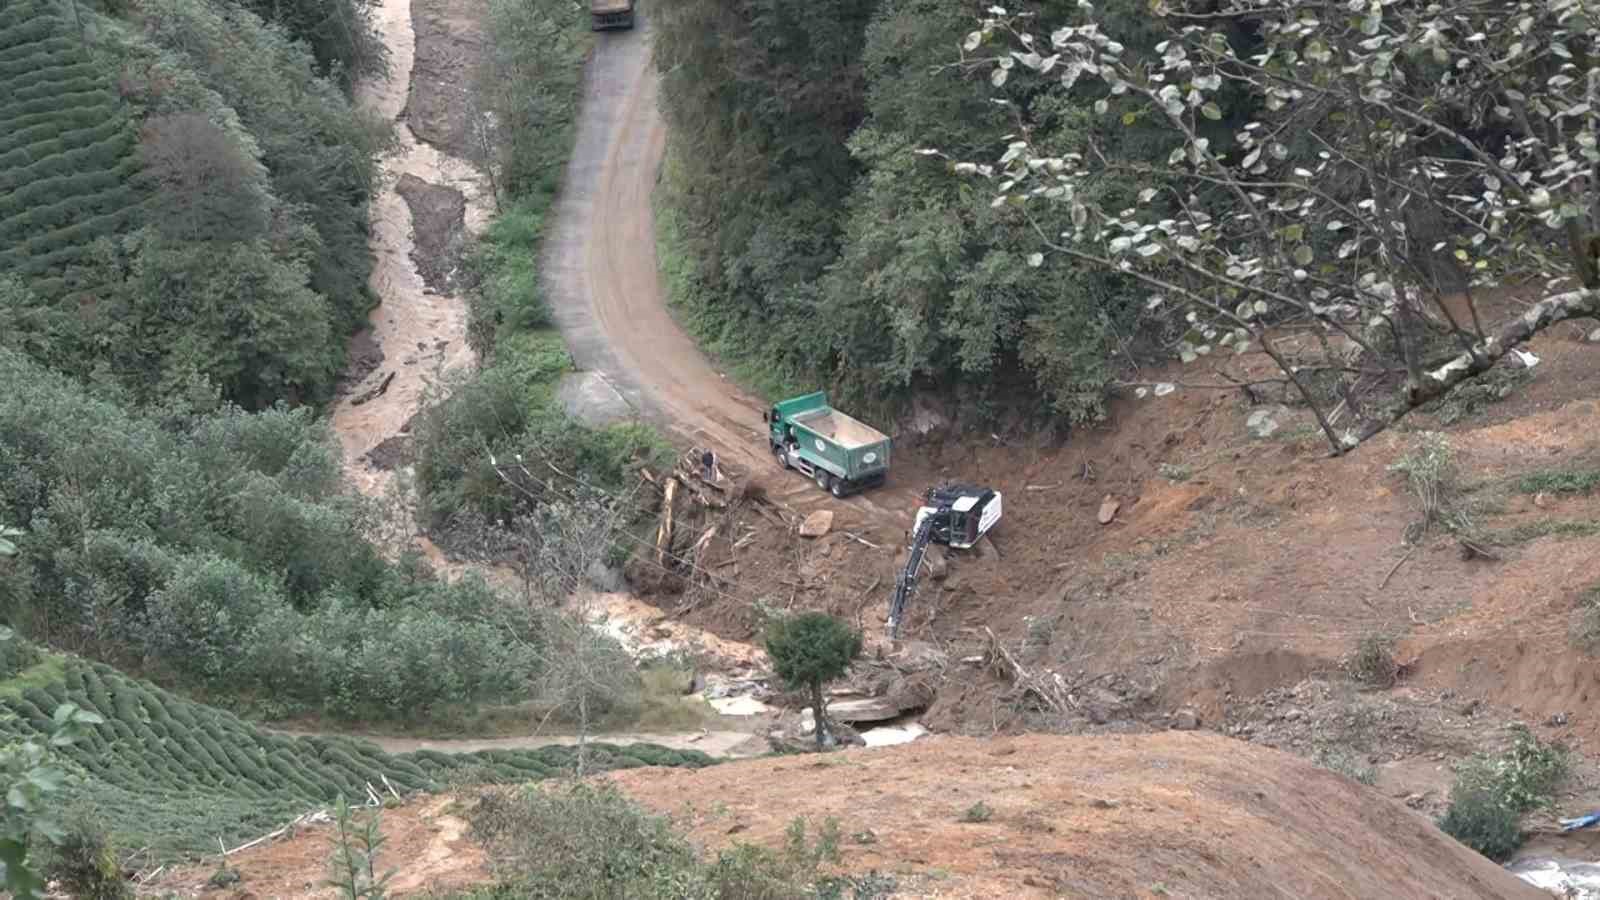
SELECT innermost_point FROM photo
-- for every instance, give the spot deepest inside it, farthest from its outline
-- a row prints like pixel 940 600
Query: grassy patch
pixel 1585 631
pixel 977 813
pixel 1559 481
pixel 1525 532
pixel 1347 764
pixel 46 671
pixel 1176 472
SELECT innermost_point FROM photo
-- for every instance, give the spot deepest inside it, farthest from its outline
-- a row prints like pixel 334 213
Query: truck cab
pixel 611 14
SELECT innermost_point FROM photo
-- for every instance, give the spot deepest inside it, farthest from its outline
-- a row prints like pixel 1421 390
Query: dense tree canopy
pixel 1378 159
pixel 819 240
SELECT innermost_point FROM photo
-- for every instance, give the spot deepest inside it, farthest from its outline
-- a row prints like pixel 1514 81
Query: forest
pixel 1013 209
pixel 183 199
pixel 806 238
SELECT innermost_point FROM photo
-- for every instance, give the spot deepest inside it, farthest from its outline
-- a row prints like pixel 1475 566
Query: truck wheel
pixel 837 488
pixel 781 454
pixel 823 479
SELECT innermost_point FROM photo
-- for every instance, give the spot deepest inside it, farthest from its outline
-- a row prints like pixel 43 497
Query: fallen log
pixel 664 531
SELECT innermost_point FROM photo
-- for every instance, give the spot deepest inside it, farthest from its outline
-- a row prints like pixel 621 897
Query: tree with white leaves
pixel 1346 179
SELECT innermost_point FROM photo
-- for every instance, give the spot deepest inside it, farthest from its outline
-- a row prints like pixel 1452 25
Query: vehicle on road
pixel 610 14
pixel 842 455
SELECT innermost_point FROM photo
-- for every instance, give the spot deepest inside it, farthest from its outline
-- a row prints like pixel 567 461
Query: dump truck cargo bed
pixel 843 430
pixel 841 452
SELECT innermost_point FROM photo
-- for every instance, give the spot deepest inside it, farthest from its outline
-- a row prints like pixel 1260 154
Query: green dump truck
pixel 842 454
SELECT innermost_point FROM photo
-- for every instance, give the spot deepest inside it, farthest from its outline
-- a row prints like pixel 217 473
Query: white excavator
pixel 956 515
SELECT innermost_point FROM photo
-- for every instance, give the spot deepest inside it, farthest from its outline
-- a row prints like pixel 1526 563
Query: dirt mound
pixel 439 225
pixel 450 43
pixel 1181 814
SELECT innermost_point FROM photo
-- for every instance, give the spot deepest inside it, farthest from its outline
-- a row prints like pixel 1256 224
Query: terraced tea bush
pixel 66 156
pixel 157 759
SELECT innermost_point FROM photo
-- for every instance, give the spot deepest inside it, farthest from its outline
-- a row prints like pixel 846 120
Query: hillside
pixel 175 777
pixel 1167 815
pixel 67 161
pixel 1161 815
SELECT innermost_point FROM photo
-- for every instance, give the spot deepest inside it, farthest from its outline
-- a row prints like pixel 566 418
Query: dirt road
pixel 721 744
pixel 604 285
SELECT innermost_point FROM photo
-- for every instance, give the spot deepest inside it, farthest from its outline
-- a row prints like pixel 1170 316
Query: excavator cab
pixel 960 514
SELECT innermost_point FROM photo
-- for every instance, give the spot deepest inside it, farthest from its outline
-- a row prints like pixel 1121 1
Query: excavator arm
pixel 906 582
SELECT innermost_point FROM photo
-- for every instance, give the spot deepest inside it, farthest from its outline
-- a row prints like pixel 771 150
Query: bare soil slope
pixel 1179 815
pixel 1174 815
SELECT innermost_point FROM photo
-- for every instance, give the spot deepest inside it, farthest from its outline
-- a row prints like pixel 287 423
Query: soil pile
pixel 1190 815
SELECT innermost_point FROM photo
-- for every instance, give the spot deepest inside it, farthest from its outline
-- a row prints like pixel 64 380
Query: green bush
pixel 1491 793
pixel 85 863
pixel 1481 821
pixel 222 548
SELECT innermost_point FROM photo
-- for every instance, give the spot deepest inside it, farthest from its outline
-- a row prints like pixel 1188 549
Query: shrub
pixel 1479 820
pixel 578 841
pixel 199 620
pixel 1373 662
pixel 84 862
pixel 1432 475
pixel 1491 793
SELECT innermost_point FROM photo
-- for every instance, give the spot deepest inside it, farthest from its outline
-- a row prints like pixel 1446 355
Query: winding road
pixel 603 281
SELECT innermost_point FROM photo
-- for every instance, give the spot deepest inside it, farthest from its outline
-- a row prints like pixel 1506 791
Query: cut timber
pixel 664 532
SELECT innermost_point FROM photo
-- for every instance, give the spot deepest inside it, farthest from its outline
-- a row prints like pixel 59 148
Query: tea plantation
pixel 173 775
pixel 67 149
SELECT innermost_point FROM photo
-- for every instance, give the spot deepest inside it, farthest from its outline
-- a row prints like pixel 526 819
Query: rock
pixel 817 524
pixel 1556 720
pixel 1594 336
pixel 1415 801
pixel 1108 509
pixel 1294 715
pixel 1102 803
pixel 1186 719
pixel 891 735
pixel 872 709
pixel 1541 500
pixel 1261 423
pixel 938 565
pixel 740 706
